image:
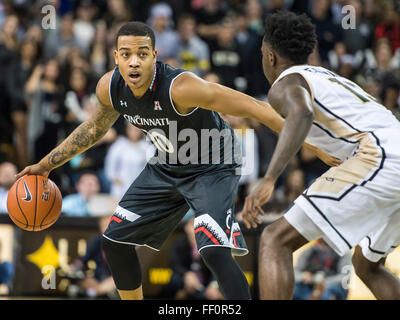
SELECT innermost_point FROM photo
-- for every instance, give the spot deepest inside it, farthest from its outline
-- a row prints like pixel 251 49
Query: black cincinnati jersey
pixel 199 137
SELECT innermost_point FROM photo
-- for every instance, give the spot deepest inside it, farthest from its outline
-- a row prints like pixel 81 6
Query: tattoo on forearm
pixel 83 137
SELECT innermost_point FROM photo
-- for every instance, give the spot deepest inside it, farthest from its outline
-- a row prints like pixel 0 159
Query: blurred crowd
pixel 50 65
pixel 50 61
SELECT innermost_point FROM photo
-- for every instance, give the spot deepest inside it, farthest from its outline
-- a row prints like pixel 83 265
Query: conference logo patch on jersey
pixel 157 105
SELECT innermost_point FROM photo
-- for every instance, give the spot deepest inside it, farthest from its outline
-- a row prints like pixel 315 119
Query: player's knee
pixel 213 256
pixel 272 237
pixel 124 264
pixel 107 245
pixel 114 250
pixel 279 236
pixel 363 267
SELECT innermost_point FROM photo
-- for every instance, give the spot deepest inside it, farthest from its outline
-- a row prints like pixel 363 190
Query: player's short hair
pixel 136 28
pixel 292 36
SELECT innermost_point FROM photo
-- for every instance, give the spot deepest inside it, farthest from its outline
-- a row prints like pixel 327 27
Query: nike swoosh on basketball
pixel 28 196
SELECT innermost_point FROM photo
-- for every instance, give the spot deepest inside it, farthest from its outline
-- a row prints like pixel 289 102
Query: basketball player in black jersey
pixel 165 102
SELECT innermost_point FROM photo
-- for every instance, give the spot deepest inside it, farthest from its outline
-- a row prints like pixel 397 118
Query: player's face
pixel 136 58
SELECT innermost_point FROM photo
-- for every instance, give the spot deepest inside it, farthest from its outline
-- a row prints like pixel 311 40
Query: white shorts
pixel 345 209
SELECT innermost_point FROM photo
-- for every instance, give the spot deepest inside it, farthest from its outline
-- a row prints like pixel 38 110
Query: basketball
pixel 34 203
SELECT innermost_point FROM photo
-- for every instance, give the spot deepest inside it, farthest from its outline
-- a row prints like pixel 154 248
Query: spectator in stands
pixel 83 28
pixel 359 38
pixel 274 5
pixel 319 274
pixel 126 158
pixel 327 32
pixel 191 279
pixel 390 27
pixel 7 178
pixel 46 110
pixel 60 40
pixel 166 37
pixel 72 58
pixel 94 276
pixel 379 64
pixel 208 18
pixel 254 16
pixel 225 57
pixel 6 275
pixel 9 46
pixel 8 34
pixel 34 34
pixel 99 58
pixel 78 90
pixel 20 71
pixel 249 41
pixel 192 52
pixel 390 94
pixel 118 12
pixel 77 204
pixel 341 61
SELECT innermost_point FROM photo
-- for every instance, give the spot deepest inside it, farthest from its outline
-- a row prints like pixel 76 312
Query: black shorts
pixel 160 197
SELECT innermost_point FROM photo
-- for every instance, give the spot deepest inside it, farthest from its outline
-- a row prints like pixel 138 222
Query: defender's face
pixel 136 57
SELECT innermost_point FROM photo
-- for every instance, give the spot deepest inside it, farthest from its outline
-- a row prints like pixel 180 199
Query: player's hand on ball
pixel 35 169
pixel 254 201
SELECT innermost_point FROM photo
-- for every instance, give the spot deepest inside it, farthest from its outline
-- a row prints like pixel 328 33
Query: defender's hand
pixel 252 205
pixel 37 169
pixel 327 158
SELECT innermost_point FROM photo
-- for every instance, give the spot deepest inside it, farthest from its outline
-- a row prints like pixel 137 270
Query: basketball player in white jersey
pixel 356 204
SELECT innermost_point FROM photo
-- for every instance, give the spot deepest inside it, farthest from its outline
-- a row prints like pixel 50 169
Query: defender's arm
pixel 295 104
pixel 189 91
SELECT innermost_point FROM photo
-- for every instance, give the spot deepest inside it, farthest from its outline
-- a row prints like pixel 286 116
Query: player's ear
pixel 272 58
pixel 116 57
pixel 155 53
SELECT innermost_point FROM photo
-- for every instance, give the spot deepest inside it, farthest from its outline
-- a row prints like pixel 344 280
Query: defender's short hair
pixel 136 28
pixel 292 36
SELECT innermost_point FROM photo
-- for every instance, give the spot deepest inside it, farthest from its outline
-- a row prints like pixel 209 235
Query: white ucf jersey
pixel 345 116
pixel 355 200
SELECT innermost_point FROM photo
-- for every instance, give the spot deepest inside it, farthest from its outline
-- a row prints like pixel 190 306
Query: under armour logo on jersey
pixel 157 105
pixel 123 104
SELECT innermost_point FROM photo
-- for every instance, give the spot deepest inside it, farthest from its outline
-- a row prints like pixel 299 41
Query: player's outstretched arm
pixel 189 91
pixel 83 137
